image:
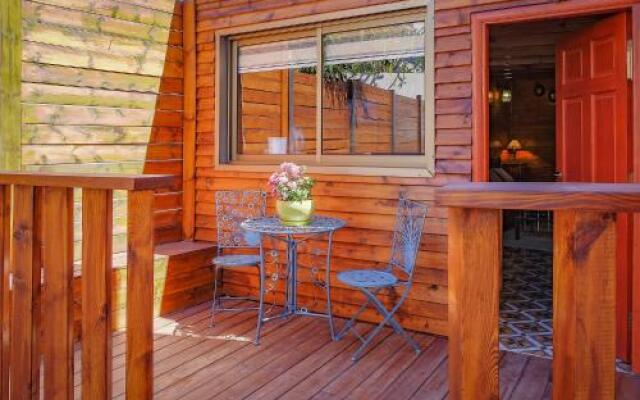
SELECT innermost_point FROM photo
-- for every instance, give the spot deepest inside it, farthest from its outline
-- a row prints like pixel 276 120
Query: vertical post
pixel 139 379
pixel 584 282
pixel 22 266
pixel 474 302
pixel 57 294
pixel 189 119
pixel 10 83
pixel 4 290
pixel 36 289
pixel 6 293
pixel 635 244
pixel 97 216
pixel 284 107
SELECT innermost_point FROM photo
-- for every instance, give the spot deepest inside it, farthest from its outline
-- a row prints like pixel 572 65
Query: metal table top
pixel 273 226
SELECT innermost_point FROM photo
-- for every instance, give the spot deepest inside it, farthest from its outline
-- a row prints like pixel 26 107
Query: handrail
pixel 86 181
pixel 584 281
pixel 36 276
pixel 541 196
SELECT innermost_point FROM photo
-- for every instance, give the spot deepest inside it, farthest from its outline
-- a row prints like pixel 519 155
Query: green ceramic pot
pixel 295 213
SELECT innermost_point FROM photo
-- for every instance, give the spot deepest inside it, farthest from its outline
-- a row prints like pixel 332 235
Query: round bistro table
pixel 293 236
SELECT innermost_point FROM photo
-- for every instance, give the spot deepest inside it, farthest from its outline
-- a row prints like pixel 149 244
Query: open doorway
pixel 530 141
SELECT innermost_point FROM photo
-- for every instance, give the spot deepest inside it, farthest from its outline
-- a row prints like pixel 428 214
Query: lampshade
pixel 514 145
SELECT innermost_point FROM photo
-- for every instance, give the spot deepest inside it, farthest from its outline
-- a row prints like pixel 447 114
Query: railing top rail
pixel 87 181
pixel 612 197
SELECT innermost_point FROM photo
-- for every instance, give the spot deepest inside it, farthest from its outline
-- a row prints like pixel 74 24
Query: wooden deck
pixel 296 360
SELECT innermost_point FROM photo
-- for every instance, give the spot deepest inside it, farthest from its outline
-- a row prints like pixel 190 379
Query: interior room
pixel 522 100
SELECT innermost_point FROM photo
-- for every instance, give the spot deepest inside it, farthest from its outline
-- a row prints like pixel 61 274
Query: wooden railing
pixel 584 245
pixel 36 299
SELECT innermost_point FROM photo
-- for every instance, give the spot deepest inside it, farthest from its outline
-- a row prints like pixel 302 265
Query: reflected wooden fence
pixel 36 299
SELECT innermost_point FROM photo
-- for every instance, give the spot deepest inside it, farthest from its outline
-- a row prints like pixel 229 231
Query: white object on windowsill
pixel 277 145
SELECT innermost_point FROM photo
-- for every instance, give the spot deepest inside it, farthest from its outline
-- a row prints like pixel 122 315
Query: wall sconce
pixel 506 96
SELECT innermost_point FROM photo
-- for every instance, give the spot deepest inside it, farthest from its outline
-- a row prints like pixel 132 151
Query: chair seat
pixel 236 260
pixel 368 278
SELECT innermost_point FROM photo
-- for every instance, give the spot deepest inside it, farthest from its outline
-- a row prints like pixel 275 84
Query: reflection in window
pixel 277 98
pixel 373 90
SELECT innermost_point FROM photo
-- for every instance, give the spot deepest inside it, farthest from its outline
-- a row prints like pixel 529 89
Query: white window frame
pixel 378 165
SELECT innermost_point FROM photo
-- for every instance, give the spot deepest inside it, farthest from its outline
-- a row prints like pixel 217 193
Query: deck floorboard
pixel 296 360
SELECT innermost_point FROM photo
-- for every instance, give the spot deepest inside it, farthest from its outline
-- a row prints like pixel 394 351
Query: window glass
pixel 277 98
pixel 373 91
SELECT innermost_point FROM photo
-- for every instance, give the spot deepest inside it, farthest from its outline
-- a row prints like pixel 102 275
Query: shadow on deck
pixel 296 360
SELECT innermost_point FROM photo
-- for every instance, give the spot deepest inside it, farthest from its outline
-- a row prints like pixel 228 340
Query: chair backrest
pixel 232 208
pixel 407 235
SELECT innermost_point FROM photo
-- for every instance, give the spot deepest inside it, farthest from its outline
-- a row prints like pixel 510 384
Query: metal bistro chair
pixel 232 208
pixel 398 273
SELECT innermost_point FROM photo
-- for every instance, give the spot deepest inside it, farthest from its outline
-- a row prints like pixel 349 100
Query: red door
pixel 593 131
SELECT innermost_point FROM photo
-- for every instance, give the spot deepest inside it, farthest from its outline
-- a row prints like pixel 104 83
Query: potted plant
pixel 292 188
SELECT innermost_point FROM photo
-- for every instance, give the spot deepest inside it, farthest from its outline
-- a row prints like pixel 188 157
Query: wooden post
pixel 5 317
pixel 97 216
pixel 189 120
pixel 140 296
pixel 474 302
pixel 584 283
pixel 10 83
pixel 22 266
pixel 57 294
pixel 635 267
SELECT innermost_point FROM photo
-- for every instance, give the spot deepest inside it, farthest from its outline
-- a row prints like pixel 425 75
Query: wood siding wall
pixel 102 92
pixel 367 203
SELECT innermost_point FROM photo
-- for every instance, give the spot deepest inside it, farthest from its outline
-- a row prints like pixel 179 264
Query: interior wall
pixel 102 92
pixel 530 119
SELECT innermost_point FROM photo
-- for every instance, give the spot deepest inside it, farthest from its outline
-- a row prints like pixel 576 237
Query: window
pixel 348 94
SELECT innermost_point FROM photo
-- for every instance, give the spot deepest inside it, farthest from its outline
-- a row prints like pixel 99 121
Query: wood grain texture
pixel 91 181
pixel 10 77
pixel 635 280
pixel 344 194
pixel 617 197
pixel 23 269
pixel 102 91
pixel 475 265
pixel 5 300
pixel 57 294
pixel 584 305
pixel 96 293
pixel 5 234
pixel 189 120
pixel 140 296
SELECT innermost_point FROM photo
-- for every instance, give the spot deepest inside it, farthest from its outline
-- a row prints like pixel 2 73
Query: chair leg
pixel 387 319
pixel 261 272
pixel 215 296
pixel 390 319
pixel 351 322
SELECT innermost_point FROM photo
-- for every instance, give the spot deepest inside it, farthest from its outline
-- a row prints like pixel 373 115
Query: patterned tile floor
pixel 526 308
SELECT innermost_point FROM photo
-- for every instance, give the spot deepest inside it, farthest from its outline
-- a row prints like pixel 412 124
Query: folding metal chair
pixel 398 273
pixel 232 208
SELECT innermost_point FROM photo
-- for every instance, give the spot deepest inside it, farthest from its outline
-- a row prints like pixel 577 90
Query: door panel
pixel 593 130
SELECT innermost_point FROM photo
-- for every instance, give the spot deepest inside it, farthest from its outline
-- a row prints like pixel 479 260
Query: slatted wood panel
pixel 102 92
pixel 367 203
pixel 37 356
